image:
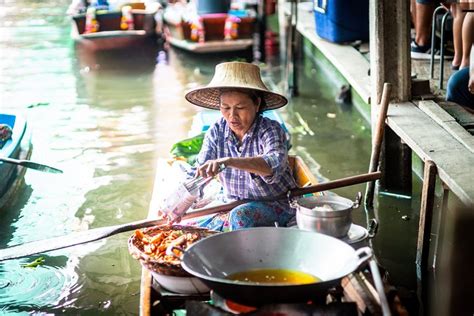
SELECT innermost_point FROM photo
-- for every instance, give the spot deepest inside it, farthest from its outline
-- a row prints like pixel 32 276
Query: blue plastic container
pixel 342 20
pixel 212 6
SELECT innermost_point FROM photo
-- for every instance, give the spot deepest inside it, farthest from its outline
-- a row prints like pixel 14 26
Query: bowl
pixel 169 274
pixel 182 285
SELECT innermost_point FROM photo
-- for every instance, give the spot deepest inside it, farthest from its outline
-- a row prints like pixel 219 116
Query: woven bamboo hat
pixel 235 75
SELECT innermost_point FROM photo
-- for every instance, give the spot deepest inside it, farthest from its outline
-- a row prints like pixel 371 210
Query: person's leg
pixel 255 214
pixel 424 13
pixel 457 90
pixel 413 11
pixel 467 38
pixel 458 17
pixel 218 222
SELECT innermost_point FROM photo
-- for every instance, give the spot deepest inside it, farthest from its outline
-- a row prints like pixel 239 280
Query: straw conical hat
pixel 234 75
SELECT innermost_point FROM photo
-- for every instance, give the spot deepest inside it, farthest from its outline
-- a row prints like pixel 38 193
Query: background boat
pixel 18 147
pixel 183 30
pixel 110 35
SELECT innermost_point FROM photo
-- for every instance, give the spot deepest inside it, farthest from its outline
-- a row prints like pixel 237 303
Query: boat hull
pixel 113 40
pixel 179 34
pixel 18 147
pixel 212 46
pixel 111 37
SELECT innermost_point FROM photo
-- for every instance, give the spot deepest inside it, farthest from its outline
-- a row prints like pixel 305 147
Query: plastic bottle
pixel 175 206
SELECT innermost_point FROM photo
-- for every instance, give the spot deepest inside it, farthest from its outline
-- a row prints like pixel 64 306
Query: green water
pixel 104 120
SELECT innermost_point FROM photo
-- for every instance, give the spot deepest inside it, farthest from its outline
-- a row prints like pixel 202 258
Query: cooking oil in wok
pixel 274 276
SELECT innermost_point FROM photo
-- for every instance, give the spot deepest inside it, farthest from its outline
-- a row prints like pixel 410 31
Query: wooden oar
pixel 77 238
pixel 31 165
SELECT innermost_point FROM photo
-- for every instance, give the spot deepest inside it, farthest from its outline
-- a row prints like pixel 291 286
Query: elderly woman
pixel 252 148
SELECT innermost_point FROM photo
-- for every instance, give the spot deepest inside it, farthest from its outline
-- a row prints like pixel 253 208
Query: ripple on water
pixel 23 289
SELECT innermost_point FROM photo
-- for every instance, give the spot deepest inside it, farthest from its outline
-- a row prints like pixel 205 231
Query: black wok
pixel 215 257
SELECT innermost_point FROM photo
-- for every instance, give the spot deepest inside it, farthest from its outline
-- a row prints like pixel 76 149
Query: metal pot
pixel 334 220
pixel 214 258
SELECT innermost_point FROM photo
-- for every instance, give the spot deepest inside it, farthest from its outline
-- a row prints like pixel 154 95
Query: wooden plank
pixel 448 122
pixel 212 46
pixel 424 230
pixel 346 59
pixel 432 142
pixel 463 115
pixel 145 293
pixel 435 111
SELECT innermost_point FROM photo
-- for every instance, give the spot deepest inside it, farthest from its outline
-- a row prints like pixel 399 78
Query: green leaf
pixel 188 148
pixel 35 263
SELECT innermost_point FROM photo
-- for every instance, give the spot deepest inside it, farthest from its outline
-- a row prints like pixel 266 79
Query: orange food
pixel 155 245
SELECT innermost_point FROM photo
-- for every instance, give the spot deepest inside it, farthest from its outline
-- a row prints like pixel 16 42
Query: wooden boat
pixel 110 36
pixel 18 147
pixel 148 293
pixel 178 33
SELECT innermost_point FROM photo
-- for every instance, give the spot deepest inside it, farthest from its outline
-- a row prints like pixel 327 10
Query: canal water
pixel 105 120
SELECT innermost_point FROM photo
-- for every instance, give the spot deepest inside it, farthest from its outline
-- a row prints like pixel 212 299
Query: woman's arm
pixel 256 165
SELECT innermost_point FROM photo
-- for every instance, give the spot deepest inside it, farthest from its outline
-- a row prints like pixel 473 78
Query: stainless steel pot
pixel 214 258
pixel 330 215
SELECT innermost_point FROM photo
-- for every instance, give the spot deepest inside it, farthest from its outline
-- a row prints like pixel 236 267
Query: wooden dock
pixel 448 144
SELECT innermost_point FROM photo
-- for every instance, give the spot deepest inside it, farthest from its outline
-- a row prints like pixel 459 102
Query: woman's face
pixel 239 111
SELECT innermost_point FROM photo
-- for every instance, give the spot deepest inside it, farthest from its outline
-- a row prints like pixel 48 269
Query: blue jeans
pixel 457 90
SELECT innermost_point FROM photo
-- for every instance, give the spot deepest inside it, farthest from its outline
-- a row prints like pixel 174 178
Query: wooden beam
pixel 424 232
pixel 448 122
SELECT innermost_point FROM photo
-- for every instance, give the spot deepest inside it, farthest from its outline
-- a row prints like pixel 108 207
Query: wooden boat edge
pixel 26 149
pixel 212 46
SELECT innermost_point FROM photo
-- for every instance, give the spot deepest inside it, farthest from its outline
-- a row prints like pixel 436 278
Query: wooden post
pixel 390 62
pixel 441 218
pixel 424 232
pixel 294 43
pixel 262 29
pixel 282 28
pixel 390 48
pixel 291 69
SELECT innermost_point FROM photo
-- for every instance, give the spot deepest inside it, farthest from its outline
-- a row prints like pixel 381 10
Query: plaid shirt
pixel 265 139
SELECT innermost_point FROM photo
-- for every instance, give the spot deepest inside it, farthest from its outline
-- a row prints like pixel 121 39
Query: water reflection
pixel 125 61
pixel 23 289
pixel 11 213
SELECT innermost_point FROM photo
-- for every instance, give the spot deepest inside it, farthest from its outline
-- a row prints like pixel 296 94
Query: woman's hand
pixel 211 167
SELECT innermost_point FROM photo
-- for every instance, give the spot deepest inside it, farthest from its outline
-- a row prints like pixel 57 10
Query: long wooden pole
pixel 28 249
pixel 377 142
